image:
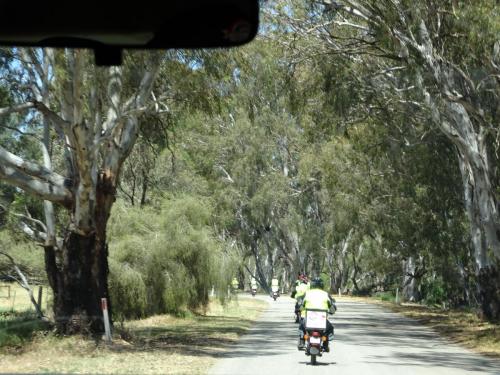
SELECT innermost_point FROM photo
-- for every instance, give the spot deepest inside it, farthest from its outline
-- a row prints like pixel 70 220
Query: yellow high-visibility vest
pixel 300 290
pixel 316 299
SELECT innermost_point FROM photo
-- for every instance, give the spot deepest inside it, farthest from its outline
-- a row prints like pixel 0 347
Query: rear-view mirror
pixel 110 26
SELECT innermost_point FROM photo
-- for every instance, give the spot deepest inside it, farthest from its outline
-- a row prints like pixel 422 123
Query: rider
pixel 275 285
pixel 296 284
pixel 253 283
pixel 235 284
pixel 301 287
pixel 317 298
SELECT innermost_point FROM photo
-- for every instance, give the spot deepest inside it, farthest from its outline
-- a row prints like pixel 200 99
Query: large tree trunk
pixel 78 272
pixel 410 287
pixel 476 234
pixel 480 205
pixel 489 292
pixel 78 283
pixel 344 270
pixel 332 271
pixel 261 275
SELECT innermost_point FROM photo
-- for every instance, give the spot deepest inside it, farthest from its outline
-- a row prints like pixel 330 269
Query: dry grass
pixel 460 326
pixel 160 344
pixel 19 300
pixel 347 298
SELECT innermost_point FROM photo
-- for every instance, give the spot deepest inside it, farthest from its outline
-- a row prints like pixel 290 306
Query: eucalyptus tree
pixel 430 60
pixel 88 120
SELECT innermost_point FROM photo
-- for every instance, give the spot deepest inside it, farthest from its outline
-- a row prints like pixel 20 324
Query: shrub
pixel 127 291
pixel 434 291
pixel 171 263
pixel 386 296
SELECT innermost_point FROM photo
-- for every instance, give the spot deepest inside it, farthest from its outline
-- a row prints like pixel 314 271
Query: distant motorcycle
pixel 315 339
pixel 275 295
pixel 254 292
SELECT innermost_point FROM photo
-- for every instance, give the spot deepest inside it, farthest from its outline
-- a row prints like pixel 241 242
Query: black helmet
pixel 317 283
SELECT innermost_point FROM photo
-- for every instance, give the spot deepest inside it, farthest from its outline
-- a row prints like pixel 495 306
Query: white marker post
pixel 107 329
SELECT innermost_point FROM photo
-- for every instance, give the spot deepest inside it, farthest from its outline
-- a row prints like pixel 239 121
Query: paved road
pixel 368 340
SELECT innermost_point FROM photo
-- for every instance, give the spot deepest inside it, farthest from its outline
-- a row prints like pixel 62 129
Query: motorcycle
pixel 254 292
pixel 275 293
pixel 315 339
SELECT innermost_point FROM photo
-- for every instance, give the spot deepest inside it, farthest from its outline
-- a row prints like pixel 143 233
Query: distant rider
pixel 235 285
pixel 275 286
pixel 316 298
pixel 253 283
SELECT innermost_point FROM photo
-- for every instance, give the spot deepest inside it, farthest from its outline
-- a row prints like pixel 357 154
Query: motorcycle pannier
pixel 316 319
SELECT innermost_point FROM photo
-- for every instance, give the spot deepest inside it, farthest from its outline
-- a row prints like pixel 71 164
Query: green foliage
pixel 386 296
pixel 127 290
pixel 171 261
pixel 434 291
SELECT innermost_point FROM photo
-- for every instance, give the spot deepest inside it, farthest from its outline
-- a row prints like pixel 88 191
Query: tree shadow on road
pixel 214 336
pixel 198 336
pixel 436 359
pixel 395 340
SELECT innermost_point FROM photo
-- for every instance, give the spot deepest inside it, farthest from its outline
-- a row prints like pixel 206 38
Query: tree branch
pixel 8 159
pixel 44 189
pixel 16 108
pixel 23 282
pixel 33 234
pixel 20 131
pixel 61 125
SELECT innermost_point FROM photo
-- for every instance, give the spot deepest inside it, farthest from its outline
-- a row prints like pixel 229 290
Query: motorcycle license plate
pixel 315 340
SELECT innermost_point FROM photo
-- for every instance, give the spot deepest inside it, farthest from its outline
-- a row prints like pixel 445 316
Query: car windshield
pixel 153 212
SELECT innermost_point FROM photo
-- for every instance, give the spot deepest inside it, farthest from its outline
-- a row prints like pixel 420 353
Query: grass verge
pixel 18 322
pixel 159 344
pixel 459 326
pixel 18 328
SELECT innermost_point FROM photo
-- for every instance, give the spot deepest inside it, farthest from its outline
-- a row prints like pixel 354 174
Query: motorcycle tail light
pixel 315 334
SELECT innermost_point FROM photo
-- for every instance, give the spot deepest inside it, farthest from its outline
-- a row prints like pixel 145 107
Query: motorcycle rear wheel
pixel 313 359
